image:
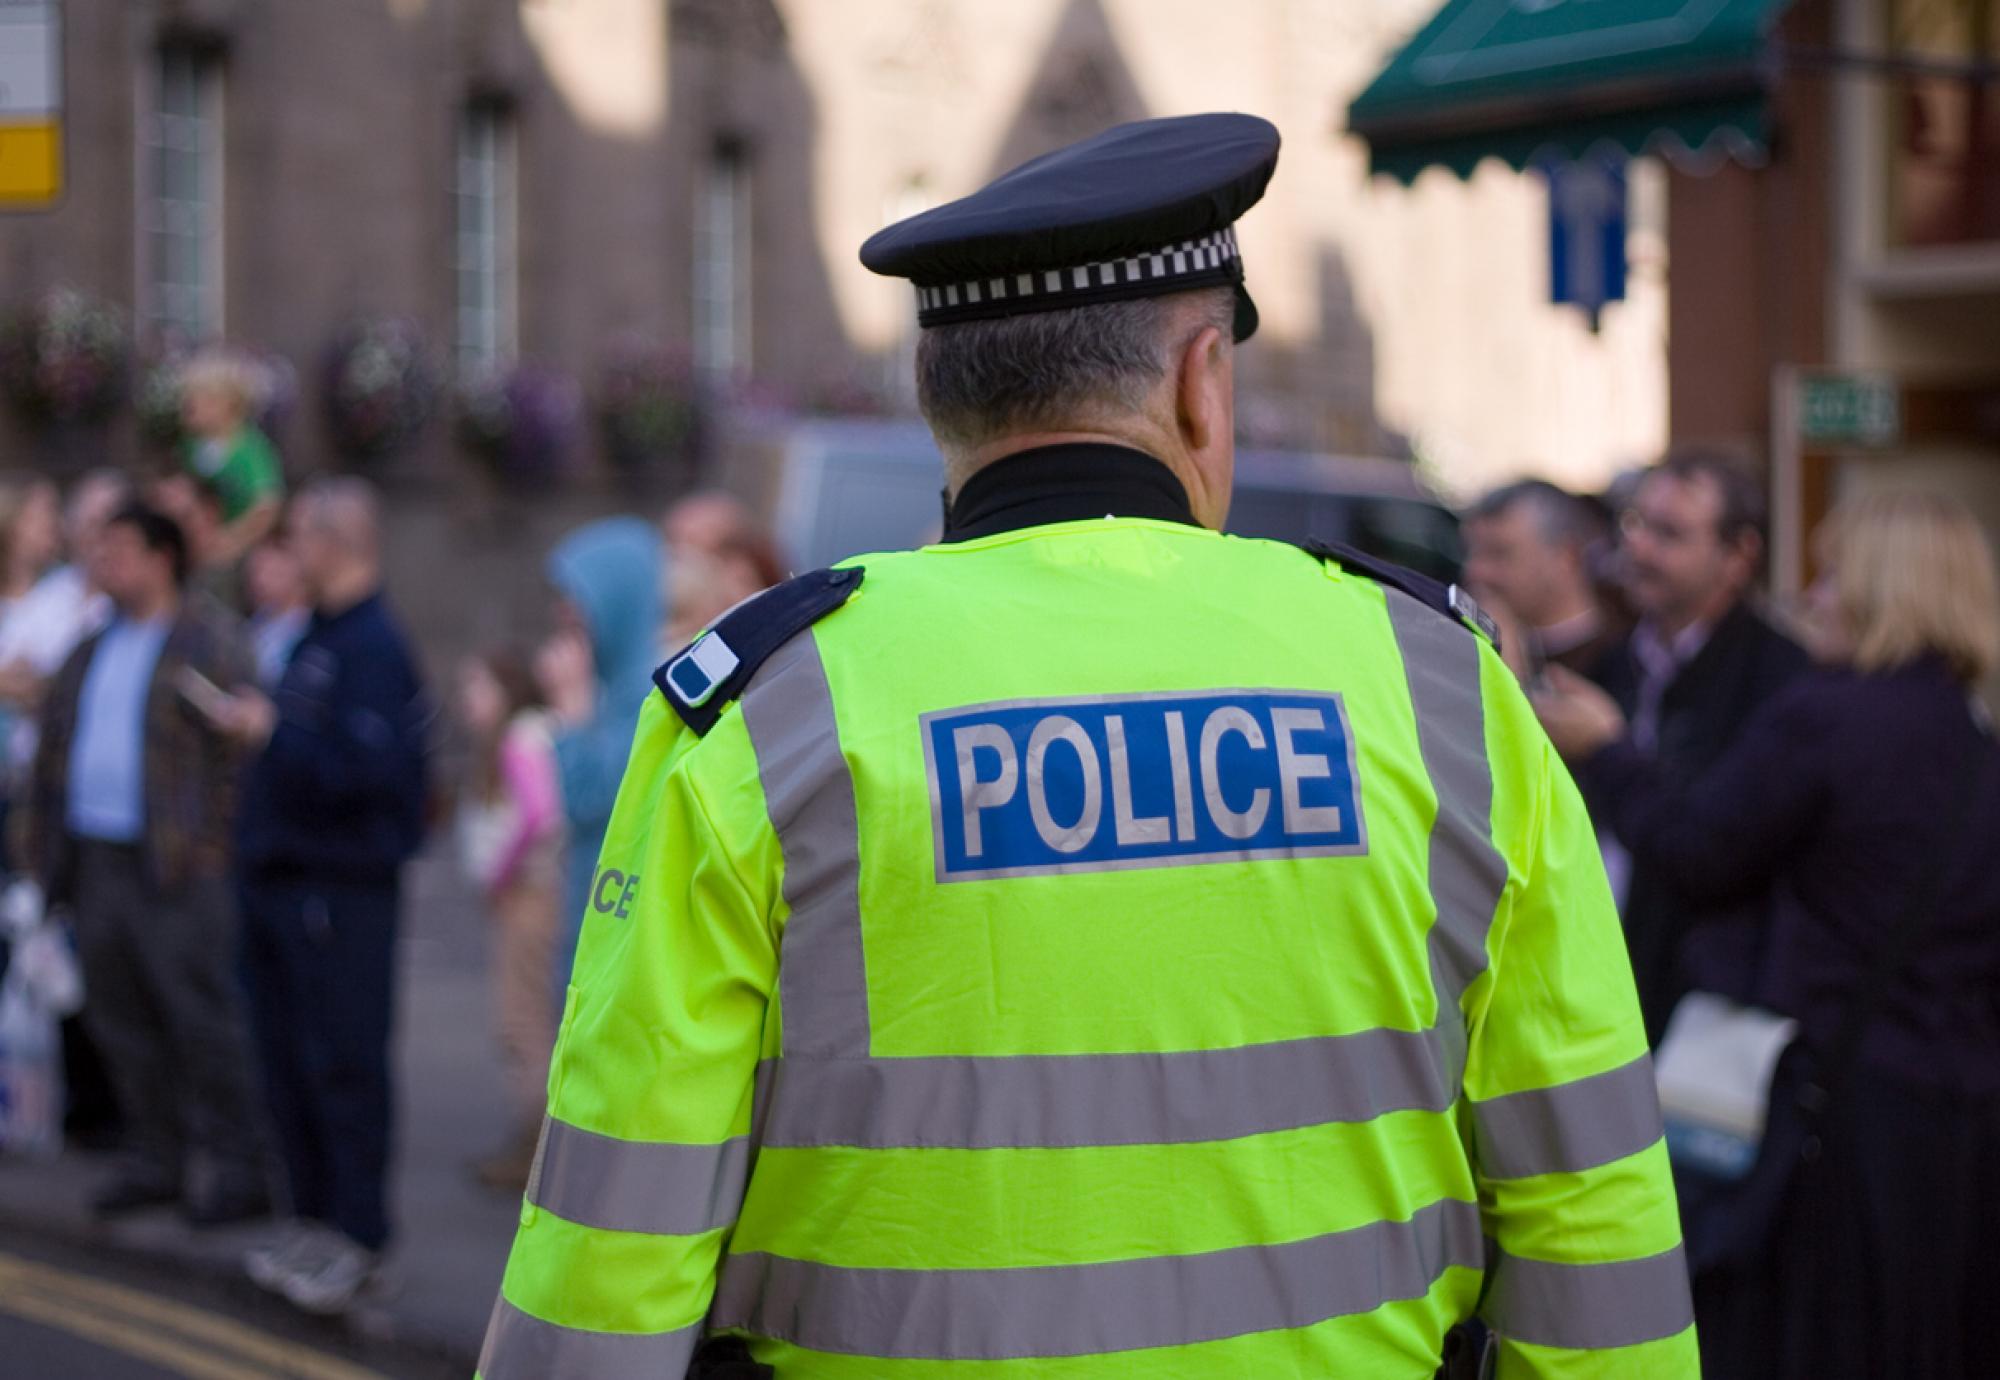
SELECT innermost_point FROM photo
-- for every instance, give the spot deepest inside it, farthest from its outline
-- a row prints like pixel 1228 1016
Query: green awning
pixel 1520 80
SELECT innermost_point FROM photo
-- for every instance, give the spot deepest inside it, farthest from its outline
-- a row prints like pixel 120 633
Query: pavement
pixel 444 1264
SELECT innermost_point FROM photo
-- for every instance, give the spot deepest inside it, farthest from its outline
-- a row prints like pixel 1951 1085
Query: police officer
pixel 1094 946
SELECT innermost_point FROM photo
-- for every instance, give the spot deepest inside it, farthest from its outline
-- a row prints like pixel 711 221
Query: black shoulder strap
pixel 1449 600
pixel 702 679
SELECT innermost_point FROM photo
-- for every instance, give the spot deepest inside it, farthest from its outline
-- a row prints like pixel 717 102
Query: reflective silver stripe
pixel 629 1185
pixel 1080 1310
pixel 1467 873
pixel 1591 1307
pixel 1572 1127
pixel 809 794
pixel 520 1346
pixel 1057 1100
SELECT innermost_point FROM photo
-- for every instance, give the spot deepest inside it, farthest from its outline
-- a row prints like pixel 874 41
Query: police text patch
pixel 1085 785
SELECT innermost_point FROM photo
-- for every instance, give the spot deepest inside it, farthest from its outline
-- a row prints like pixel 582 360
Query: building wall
pixel 1796 264
pixel 1396 320
pixel 1928 316
pixel 1751 250
pixel 1394 317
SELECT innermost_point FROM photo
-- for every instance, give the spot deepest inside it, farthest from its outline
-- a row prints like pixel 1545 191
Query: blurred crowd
pixel 1795 808
pixel 550 731
pixel 218 745
pixel 217 748
pixel 217 753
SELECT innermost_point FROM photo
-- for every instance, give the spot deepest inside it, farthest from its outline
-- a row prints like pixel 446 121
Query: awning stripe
pixel 1080 1310
pixel 1591 1307
pixel 1467 873
pixel 1060 1100
pixel 520 1346
pixel 639 1186
pixel 809 794
pixel 1569 1128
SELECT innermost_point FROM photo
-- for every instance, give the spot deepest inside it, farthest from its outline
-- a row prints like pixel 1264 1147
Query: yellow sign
pixel 31 158
pixel 30 162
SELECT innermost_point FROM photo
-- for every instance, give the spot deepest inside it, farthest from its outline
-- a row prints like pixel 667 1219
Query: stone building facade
pixel 536 179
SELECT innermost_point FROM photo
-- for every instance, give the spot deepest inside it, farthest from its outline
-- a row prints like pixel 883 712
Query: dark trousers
pixel 163 1006
pixel 319 962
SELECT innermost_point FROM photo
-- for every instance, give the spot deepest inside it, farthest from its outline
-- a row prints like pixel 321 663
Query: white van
pixel 845 487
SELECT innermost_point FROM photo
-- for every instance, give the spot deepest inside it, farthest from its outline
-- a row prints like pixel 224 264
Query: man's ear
pixel 1750 548
pixel 1205 416
pixel 1204 401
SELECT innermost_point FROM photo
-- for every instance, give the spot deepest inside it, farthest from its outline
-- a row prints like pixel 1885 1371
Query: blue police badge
pixel 1154 780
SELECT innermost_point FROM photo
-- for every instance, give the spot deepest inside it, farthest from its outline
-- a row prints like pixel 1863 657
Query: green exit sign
pixel 1850 410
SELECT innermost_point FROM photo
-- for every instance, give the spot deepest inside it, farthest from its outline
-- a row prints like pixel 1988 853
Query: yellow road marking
pixel 132 1311
pixel 129 1338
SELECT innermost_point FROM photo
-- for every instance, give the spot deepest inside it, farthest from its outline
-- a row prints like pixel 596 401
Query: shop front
pixel 1833 192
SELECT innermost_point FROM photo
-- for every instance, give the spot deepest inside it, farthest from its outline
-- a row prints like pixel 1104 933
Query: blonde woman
pixel 1863 801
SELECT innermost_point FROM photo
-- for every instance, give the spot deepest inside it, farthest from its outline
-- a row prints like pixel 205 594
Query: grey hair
pixel 1561 518
pixel 1055 370
pixel 347 509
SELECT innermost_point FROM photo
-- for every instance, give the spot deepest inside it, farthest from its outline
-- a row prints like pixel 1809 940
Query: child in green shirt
pixel 227 452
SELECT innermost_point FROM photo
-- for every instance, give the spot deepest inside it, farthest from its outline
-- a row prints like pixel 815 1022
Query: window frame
pixel 723 323
pixel 495 341
pixel 205 316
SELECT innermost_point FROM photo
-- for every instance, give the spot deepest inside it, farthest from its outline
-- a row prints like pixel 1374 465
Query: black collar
pixel 1066 483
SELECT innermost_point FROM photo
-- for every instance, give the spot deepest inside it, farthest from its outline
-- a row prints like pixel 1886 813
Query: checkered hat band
pixel 1210 259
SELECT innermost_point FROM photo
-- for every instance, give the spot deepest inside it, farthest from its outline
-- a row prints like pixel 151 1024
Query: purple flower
pixel 648 414
pixel 522 422
pixel 380 387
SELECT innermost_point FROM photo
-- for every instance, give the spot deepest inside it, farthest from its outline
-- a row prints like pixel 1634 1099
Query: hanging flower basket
pixel 64 358
pixel 157 402
pixel 381 387
pixel 648 409
pixel 520 422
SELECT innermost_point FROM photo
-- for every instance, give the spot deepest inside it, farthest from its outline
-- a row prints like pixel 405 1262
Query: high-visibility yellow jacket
pixel 1112 951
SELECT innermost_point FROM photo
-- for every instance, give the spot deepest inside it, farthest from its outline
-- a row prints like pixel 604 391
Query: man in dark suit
pixel 1697 665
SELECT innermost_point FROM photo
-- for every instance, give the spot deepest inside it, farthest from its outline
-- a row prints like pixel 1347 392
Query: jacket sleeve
pixel 354 743
pixel 645 1149
pixel 1723 836
pixel 42 830
pixel 1586 1276
pixel 225 661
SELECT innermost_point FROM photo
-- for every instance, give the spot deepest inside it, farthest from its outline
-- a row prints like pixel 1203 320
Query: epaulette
pixel 1450 600
pixel 701 680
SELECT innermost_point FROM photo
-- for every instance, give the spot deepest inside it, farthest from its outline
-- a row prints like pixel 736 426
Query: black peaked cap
pixel 1141 209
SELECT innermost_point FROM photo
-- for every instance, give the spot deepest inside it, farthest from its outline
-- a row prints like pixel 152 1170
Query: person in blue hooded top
pixel 609 581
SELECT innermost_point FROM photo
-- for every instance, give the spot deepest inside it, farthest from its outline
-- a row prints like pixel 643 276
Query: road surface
pixel 65 1315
